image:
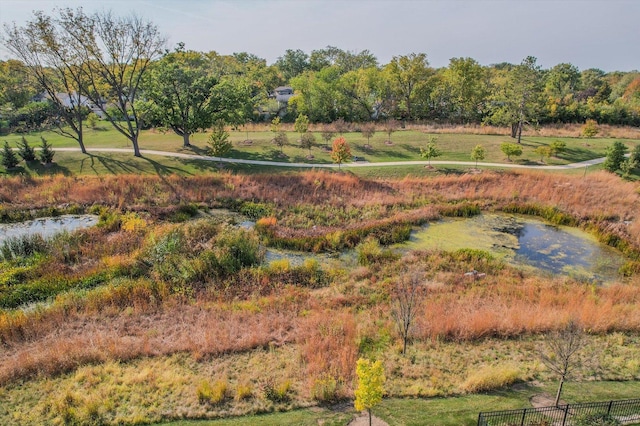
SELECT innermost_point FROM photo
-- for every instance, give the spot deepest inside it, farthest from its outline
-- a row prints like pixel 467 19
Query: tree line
pixel 120 68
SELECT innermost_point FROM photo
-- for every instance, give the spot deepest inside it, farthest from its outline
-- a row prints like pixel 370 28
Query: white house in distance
pixel 69 101
pixel 282 95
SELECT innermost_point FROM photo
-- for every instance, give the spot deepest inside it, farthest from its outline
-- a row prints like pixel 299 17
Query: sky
pixel 602 34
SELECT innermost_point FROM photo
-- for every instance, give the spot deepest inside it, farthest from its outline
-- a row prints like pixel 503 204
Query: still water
pixel 47 227
pixel 524 241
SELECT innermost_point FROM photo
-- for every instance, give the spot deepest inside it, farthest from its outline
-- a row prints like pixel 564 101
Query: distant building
pixel 282 95
pixel 69 101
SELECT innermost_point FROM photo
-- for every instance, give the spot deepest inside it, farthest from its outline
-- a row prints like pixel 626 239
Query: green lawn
pixel 454 411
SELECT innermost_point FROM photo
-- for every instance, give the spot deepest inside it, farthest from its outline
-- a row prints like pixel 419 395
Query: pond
pixel 525 242
pixel 47 227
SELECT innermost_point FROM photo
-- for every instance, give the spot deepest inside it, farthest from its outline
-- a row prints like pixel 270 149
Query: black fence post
pixel 566 412
pixel 609 409
pixel 524 415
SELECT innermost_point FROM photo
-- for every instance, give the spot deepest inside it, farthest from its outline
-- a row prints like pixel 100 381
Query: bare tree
pixel 40 46
pixel 368 130
pixel 116 53
pixel 328 132
pixel 408 293
pixel 562 347
pixel 341 126
pixel 390 126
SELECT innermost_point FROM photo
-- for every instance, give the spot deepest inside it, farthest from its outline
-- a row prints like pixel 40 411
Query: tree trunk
pixel 559 391
pixel 519 131
pixel 80 139
pixel 369 410
pixel 404 345
pixel 514 130
pixel 80 133
pixel 136 147
pixel 185 139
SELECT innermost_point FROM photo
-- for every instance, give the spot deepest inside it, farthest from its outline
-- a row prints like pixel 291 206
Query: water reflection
pixel 47 227
pixel 526 242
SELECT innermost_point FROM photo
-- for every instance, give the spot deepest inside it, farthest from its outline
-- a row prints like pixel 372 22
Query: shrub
pixel 255 211
pixel 183 213
pixel 490 378
pixel 109 220
pixel 23 246
pixel 596 420
pixel 325 389
pixel 369 251
pixel 590 129
pixel 212 394
pixel 277 392
pixel 132 222
pixel 243 391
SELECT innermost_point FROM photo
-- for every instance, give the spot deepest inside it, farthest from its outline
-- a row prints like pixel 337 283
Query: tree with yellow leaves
pixel 370 385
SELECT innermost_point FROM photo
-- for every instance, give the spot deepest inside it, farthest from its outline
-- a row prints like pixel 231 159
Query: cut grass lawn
pixel 453 411
pixel 406 147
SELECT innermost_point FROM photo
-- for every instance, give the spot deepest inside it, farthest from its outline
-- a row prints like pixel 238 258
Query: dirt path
pixel 363 420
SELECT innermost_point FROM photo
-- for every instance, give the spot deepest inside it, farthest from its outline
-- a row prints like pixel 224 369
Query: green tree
pixel 26 152
pixel 181 91
pixel 408 78
pixel 46 153
pixel 430 150
pixel 615 156
pixel 628 166
pixel 17 86
pixel 219 143
pixel 561 81
pixel 280 139
pixel 466 83
pixel 635 154
pixel 44 47
pixel 340 151
pixel 544 151
pixel 9 158
pixel 92 120
pixel 115 53
pixel 477 153
pixel 275 124
pixel 557 147
pixel 511 149
pixel 292 63
pixel 370 385
pixel 590 129
pixel 301 124
pixel 518 99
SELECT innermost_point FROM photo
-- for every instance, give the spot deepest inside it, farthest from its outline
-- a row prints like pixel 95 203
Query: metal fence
pixel 624 411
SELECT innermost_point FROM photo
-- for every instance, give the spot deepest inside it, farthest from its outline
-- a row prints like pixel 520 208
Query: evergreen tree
pixel 615 156
pixel 46 153
pixel 9 158
pixel 25 151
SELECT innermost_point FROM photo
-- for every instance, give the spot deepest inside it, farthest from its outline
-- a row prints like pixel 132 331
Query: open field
pixel 406 147
pixel 167 309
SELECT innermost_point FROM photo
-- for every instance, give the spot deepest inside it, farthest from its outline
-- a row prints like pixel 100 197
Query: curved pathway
pixel 332 166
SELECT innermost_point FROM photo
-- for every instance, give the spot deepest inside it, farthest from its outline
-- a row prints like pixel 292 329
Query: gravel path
pixel 334 166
